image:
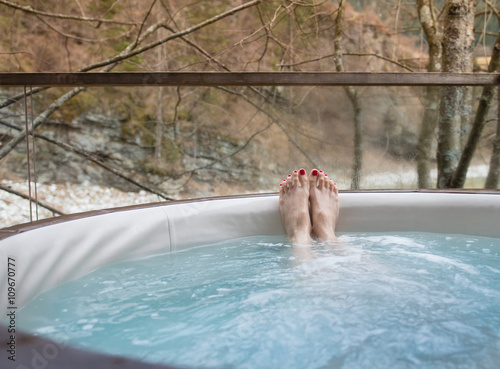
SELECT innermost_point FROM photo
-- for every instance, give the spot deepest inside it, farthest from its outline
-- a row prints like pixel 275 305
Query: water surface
pixel 399 300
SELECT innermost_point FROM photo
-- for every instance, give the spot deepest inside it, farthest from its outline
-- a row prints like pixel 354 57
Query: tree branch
pixel 93 159
pixel 135 43
pixel 127 53
pixel 83 39
pixel 24 196
pixel 30 10
pixel 355 54
pixel 189 30
pixel 66 97
pixel 274 118
pixel 241 148
pixel 16 98
pixel 39 120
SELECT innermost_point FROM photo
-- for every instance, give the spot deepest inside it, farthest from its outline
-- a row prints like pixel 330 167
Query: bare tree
pixel 493 178
pixel 352 93
pixel 433 34
pixel 487 95
pixel 458 43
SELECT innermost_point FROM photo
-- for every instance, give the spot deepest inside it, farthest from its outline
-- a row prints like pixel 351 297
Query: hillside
pixel 190 142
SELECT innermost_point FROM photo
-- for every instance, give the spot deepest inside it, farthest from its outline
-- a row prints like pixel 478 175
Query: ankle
pixel 324 233
pixel 301 238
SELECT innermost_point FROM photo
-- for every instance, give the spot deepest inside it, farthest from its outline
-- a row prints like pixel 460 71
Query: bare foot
pixel 294 207
pixel 325 205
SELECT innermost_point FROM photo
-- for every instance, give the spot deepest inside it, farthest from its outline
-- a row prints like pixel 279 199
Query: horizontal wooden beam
pixel 247 79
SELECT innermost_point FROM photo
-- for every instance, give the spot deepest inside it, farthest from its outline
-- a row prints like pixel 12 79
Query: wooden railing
pixel 248 78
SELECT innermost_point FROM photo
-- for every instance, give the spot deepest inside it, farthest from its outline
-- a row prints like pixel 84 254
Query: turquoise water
pixel 406 300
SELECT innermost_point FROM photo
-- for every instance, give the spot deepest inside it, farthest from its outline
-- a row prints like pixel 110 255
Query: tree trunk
pixel 494 172
pixel 426 136
pixel 358 141
pixel 431 113
pixel 159 126
pixel 479 122
pixel 458 43
pixel 449 135
pixel 159 108
pixel 466 110
pixel 352 94
pixel 467 114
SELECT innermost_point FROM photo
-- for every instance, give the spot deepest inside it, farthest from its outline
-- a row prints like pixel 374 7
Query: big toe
pixel 313 178
pixel 303 177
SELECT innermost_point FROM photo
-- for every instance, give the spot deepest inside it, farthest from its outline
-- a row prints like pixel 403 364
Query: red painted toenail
pixel 326 175
pixel 302 172
pixel 315 172
pixel 295 171
pixel 289 175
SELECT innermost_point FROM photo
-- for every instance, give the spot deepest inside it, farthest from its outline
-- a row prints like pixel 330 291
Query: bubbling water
pixel 373 300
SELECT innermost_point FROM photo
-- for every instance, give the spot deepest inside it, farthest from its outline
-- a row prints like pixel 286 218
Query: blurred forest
pixel 184 142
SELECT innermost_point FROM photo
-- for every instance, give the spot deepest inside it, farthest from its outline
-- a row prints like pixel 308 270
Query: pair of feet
pixel 309 206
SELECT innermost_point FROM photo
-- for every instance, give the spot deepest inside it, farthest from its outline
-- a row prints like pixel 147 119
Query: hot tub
pixel 42 255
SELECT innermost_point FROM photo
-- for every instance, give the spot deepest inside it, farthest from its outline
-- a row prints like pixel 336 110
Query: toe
pixel 321 180
pixel 283 185
pixel 295 178
pixel 303 177
pixel 313 178
pixel 327 182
